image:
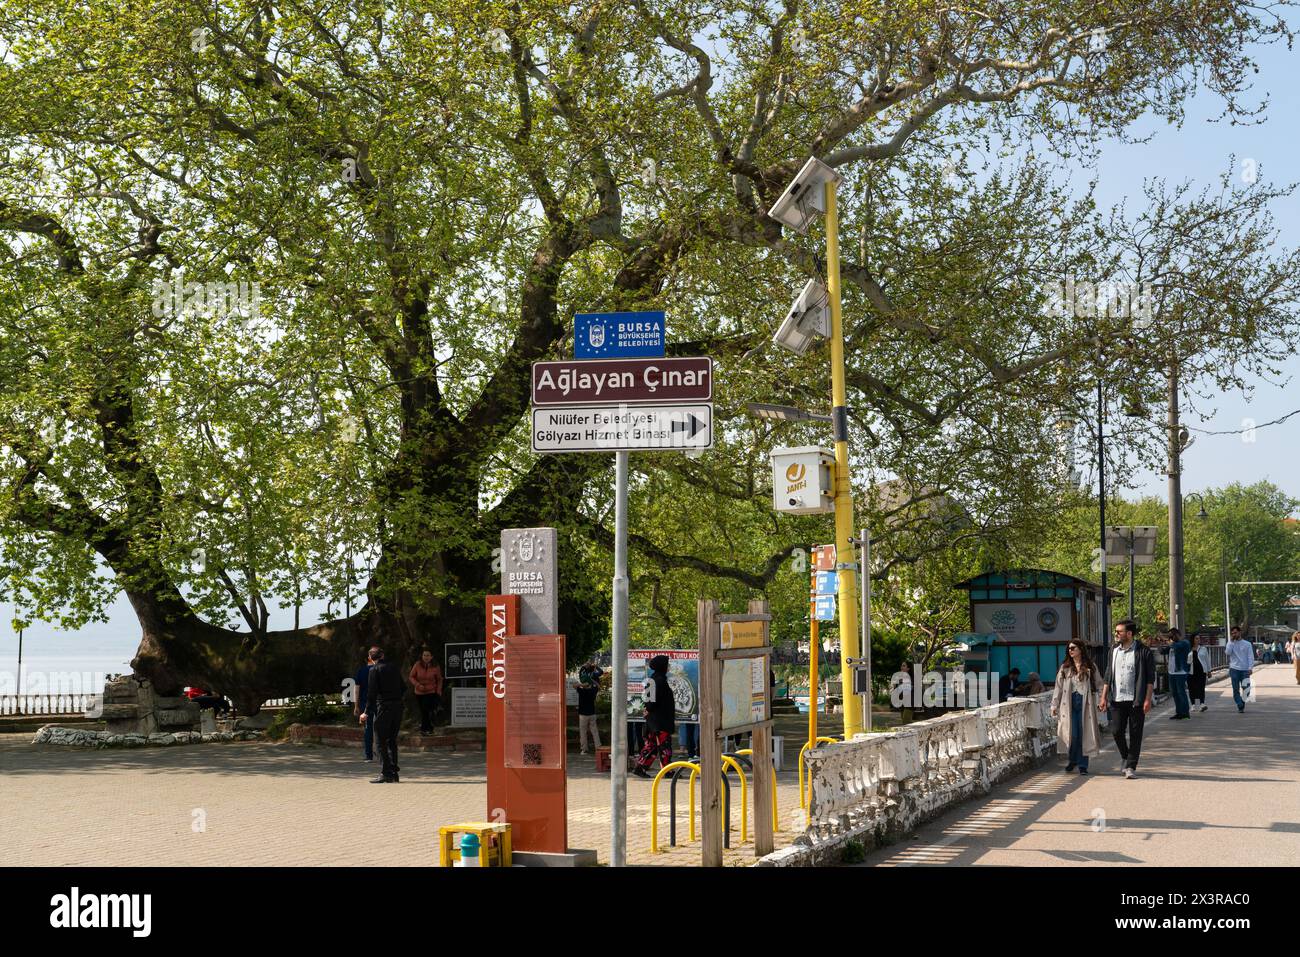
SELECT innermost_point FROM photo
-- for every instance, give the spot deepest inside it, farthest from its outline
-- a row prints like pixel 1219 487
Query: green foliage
pixel 425 192
pixel 854 853
pixel 306 709
pixel 1244 536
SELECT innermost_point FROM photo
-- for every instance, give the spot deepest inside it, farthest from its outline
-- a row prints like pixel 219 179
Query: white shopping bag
pixel 1248 689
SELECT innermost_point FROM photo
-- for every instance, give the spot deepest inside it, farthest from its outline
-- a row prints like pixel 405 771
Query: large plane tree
pixel 416 197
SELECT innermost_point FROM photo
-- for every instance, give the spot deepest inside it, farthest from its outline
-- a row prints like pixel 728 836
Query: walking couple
pixel 1081 694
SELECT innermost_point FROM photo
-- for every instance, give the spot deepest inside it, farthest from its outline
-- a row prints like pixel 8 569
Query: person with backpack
pixel 660 718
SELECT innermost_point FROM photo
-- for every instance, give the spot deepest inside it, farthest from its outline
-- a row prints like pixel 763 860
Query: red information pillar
pixel 526 743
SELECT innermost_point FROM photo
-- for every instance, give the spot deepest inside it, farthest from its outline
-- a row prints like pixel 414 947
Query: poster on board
pixel 683 679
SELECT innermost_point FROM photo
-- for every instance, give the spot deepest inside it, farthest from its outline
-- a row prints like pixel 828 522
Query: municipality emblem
pixel 596 334
pixel 527 547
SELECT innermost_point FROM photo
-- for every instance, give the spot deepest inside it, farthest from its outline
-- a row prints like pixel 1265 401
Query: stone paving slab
pixel 1221 789
pixel 258 803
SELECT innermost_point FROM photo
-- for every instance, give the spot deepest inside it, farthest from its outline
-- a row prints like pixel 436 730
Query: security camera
pixel 809 319
pixel 804 199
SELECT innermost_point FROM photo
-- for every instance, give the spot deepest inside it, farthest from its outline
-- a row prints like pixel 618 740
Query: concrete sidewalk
pixel 1222 788
pixel 256 803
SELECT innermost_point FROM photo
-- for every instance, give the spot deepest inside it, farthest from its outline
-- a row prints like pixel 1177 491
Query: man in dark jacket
pixel 1130 685
pixel 660 718
pixel 384 710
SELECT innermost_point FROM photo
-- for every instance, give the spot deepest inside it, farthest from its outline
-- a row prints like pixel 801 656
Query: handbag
pixel 1248 689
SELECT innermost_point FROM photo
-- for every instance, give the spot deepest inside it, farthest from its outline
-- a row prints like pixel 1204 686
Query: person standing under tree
pixel 1130 687
pixel 1293 649
pixel 588 687
pixel 384 708
pixel 660 718
pixel 426 681
pixel 360 688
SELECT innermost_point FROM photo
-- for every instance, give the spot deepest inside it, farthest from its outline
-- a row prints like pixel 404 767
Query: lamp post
pixel 813 192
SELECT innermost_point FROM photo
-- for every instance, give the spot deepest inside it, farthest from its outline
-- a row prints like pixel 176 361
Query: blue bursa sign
pixel 618 335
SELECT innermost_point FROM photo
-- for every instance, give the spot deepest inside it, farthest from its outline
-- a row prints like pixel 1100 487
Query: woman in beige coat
pixel 1074 705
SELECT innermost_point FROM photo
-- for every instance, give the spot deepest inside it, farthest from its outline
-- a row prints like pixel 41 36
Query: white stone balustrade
pixel 877 787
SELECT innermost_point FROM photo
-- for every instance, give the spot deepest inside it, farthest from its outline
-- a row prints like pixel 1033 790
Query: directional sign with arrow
pixel 622 428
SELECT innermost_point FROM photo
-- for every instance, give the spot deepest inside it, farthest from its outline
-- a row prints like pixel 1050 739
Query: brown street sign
pixel 614 381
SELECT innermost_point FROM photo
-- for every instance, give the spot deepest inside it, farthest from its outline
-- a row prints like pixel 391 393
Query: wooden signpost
pixel 742 662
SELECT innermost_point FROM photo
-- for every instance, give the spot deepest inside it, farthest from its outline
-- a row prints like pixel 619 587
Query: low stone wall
pixel 342 736
pixel 84 738
pixel 877 788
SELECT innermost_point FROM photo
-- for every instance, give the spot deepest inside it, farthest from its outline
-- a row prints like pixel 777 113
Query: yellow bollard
pixel 749 753
pixel 744 797
pixel 654 801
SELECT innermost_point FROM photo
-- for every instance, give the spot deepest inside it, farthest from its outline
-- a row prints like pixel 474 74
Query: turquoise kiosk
pixel 1030 615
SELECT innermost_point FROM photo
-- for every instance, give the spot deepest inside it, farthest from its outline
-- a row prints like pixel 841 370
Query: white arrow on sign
pixel 622 428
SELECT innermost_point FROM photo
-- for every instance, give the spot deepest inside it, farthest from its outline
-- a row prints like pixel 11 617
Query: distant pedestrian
pixel 384 709
pixel 1007 684
pixel 1034 685
pixel 1200 658
pixel 1130 687
pixel 589 676
pixel 1074 705
pixel 360 686
pixel 1179 670
pixel 1293 649
pixel 1241 662
pixel 426 682
pixel 660 718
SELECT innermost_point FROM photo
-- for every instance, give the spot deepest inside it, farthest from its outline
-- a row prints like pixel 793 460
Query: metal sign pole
pixel 618 696
pixel 866 624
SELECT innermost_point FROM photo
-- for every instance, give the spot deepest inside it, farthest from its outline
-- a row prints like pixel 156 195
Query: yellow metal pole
pixel 812 660
pixel 848 584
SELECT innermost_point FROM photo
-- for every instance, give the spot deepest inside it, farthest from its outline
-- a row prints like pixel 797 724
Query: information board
pixel 468 707
pixel 534 705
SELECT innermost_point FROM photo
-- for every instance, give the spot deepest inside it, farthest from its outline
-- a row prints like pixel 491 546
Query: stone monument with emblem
pixel 528 570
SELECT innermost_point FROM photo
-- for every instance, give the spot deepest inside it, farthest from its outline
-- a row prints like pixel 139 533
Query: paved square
pixel 290 805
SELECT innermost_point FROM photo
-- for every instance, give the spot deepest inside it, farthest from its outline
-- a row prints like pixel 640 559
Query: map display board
pixel 744 691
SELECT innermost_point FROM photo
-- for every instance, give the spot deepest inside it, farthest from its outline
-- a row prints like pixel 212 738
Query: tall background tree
pixel 423 193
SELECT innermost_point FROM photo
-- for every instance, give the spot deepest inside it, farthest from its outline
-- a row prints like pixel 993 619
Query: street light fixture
pixel 784 413
pixel 808 320
pixel 1202 514
pixel 805 198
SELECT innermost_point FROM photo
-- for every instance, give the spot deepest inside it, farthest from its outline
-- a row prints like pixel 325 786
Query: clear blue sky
pixel 1198 151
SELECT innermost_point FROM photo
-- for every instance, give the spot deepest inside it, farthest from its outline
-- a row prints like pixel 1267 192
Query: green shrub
pixel 307 709
pixel 854 853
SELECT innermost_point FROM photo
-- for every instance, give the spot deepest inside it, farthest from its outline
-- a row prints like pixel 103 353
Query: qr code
pixel 532 754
